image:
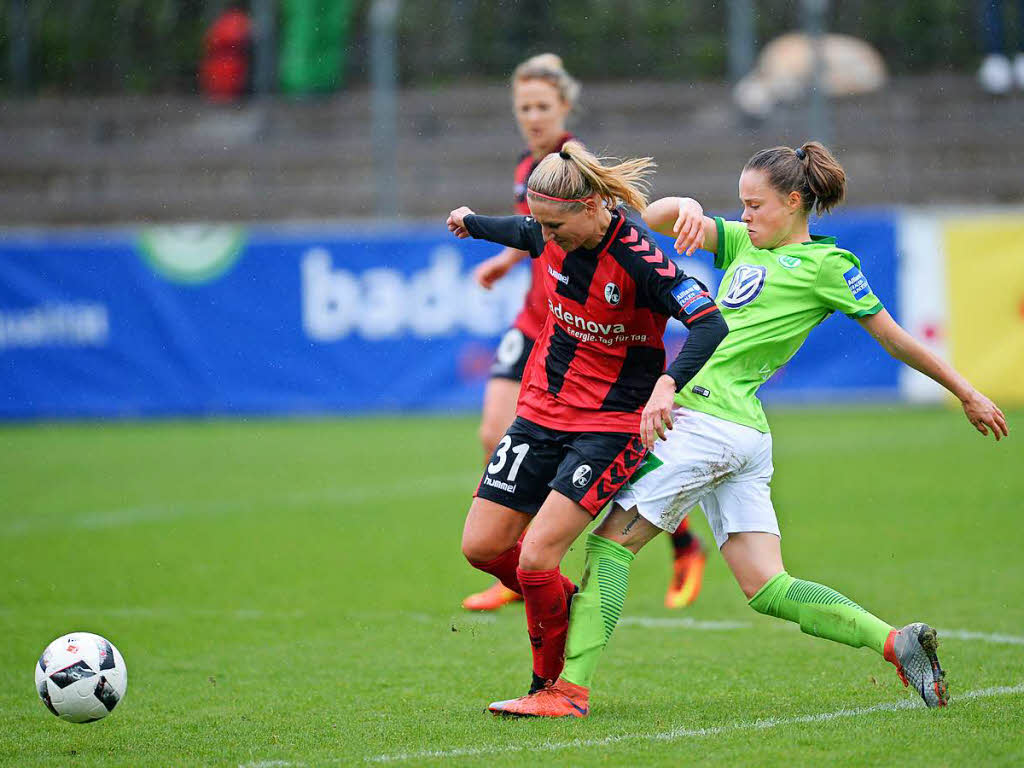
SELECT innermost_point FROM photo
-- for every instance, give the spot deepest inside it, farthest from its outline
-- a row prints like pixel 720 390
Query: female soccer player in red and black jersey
pixel 595 379
pixel 543 96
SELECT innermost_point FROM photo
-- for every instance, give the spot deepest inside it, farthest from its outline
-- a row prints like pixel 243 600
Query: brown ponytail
pixel 574 174
pixel 810 170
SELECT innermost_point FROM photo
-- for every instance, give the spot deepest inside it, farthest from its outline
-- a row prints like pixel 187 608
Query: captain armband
pixel 693 299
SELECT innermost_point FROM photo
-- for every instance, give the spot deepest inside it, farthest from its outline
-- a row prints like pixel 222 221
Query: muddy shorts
pixel 723 466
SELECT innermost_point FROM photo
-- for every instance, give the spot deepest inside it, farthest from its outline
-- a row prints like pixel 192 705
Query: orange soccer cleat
pixel 687 576
pixel 491 599
pixel 560 699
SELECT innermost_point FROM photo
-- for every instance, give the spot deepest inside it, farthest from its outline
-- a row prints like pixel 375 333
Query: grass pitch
pixel 285 593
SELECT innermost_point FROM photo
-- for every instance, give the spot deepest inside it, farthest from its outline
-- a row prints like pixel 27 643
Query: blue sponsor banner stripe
pixel 302 320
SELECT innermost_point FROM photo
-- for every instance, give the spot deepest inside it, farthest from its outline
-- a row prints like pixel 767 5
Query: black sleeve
pixel 706 334
pixel 664 285
pixel 520 232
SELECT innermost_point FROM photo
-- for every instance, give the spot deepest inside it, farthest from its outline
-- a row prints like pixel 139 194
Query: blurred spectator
pixel 997 71
pixel 227 55
pixel 784 69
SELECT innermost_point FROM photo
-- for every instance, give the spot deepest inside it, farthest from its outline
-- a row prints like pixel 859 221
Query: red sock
pixel 504 568
pixel 547 619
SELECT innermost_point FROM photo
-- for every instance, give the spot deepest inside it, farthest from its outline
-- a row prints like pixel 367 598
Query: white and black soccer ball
pixel 81 677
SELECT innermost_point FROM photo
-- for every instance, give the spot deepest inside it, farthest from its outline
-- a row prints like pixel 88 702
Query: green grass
pixel 288 591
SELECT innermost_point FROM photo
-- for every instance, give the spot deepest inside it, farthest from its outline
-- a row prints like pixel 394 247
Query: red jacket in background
pixel 224 70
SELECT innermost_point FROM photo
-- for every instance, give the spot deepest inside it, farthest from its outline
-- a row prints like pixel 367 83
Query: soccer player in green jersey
pixel 780 282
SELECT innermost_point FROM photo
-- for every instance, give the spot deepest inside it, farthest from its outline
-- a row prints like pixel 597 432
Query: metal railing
pixel 153 46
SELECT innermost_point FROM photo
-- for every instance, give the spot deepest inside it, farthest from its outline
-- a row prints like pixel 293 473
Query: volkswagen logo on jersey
pixel 582 475
pixel 612 294
pixel 746 285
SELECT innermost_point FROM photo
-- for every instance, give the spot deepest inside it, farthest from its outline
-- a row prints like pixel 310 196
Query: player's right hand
pixel 656 419
pixel 490 271
pixel 985 415
pixel 456 223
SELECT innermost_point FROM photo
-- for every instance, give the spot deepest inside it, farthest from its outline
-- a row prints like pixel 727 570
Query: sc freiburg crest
pixel 612 294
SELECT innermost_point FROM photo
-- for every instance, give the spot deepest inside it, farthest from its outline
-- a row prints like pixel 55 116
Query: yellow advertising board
pixel 985 279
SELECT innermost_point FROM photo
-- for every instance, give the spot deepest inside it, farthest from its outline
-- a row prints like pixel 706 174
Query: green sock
pixel 596 607
pixel 820 611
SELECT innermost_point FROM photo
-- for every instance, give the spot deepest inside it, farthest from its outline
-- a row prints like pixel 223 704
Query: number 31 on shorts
pixel 501 457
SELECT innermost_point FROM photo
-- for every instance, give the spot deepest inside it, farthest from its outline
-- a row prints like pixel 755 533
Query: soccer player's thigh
pixel 516 478
pixel 674 477
pixel 743 521
pixel 596 465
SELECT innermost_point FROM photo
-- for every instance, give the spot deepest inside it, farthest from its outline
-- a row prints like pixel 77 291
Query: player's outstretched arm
pixel 519 232
pixel 683 217
pixel 980 411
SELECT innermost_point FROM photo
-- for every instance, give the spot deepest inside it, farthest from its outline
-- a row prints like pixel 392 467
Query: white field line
pixel 988 637
pixel 682 733
pixel 170 510
pixel 651 622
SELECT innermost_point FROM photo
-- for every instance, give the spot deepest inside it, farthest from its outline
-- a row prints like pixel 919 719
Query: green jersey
pixel 771 300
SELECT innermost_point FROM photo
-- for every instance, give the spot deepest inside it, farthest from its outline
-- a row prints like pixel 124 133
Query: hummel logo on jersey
pixel 582 476
pixel 611 294
pixel 583 323
pixel 747 282
pixel 563 279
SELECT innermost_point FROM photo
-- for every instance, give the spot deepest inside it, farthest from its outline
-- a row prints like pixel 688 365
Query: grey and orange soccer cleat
pixel 912 651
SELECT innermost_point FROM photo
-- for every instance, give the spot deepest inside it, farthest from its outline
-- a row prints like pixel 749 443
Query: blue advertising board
pixel 220 320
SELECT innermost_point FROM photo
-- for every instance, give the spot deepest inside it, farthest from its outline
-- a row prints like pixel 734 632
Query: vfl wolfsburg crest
pixel 789 262
pixel 746 285
pixel 191 253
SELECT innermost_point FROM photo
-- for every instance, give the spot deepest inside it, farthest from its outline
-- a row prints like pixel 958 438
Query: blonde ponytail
pixel 574 174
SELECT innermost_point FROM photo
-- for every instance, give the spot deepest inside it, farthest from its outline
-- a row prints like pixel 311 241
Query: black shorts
pixel 531 460
pixel 511 355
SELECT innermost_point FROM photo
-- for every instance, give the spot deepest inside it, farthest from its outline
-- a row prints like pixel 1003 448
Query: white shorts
pixel 723 466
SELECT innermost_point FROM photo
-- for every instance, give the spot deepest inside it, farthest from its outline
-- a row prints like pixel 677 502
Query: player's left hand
pixel 985 415
pixel 456 222
pixel 656 419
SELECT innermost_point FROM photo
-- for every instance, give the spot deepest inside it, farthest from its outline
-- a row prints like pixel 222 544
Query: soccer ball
pixel 81 677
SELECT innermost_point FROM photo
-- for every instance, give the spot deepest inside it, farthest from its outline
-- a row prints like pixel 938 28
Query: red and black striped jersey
pixel 531 317
pixel 600 350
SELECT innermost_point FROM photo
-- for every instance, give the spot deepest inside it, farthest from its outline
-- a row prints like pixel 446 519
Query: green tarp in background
pixel 314 38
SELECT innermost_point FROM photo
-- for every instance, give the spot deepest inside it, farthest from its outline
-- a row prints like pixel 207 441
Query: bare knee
pixel 482 549
pixel 754 559
pixel 751 583
pixel 490 530
pixel 539 558
pixel 490 433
